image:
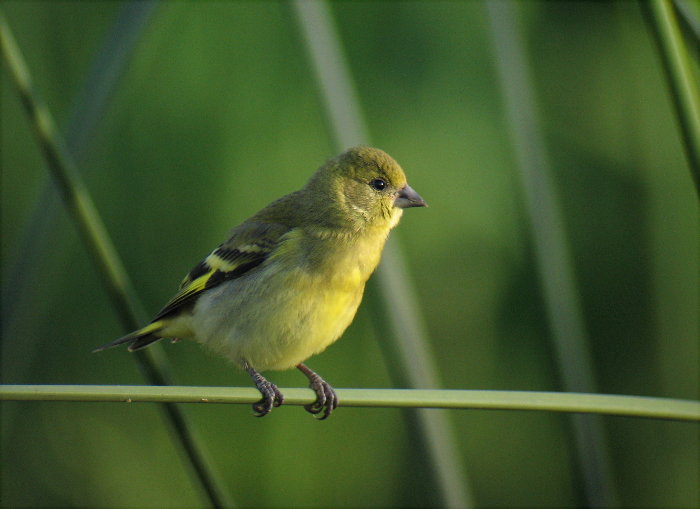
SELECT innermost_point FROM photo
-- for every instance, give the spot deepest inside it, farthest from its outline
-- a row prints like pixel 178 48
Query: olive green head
pixel 363 186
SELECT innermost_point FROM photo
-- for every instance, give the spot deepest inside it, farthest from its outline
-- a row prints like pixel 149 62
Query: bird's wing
pixel 249 245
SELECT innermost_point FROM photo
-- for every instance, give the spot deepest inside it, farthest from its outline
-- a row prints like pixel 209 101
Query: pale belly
pixel 278 319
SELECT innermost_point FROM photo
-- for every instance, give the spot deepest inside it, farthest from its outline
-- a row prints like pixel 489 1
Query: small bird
pixel 288 281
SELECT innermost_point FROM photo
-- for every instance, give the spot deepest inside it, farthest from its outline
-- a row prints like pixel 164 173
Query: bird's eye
pixel 378 184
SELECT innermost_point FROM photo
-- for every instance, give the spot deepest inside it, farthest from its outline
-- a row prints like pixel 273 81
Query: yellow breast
pixel 300 301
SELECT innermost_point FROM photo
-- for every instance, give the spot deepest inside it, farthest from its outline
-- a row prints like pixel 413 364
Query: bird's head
pixel 362 187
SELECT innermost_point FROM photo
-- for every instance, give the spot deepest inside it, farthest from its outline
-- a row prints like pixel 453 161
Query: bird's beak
pixel 407 197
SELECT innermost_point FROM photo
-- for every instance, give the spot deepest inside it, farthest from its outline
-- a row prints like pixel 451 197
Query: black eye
pixel 378 184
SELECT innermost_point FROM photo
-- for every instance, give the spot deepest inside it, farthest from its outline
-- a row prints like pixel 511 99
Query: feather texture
pixel 288 281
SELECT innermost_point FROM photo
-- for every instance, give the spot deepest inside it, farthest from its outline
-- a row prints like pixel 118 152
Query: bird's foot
pixel 326 398
pixel 271 396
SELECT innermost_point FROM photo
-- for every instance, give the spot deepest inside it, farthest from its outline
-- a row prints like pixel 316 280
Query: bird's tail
pixel 137 339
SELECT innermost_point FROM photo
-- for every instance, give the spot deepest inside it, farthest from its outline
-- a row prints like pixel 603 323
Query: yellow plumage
pixel 288 281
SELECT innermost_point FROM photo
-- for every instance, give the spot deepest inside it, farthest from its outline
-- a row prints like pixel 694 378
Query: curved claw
pixel 271 396
pixel 326 398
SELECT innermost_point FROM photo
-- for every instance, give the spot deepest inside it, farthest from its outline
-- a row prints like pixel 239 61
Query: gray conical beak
pixel 407 197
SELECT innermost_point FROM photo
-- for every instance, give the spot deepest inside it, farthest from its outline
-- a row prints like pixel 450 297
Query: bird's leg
pixel 326 398
pixel 271 396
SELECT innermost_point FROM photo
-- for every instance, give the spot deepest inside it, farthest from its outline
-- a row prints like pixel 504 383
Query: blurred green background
pixel 216 114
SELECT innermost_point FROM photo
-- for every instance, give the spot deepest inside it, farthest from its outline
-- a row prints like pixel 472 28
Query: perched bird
pixel 288 281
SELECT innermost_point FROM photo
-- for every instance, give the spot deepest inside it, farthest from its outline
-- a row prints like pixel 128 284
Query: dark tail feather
pixel 143 342
pixel 137 339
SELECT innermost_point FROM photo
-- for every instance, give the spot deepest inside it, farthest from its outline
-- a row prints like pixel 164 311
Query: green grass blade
pixel 70 183
pixel 689 11
pixel 555 268
pixel 605 404
pixel 406 330
pixel 87 111
pixel 84 213
pixel 682 82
